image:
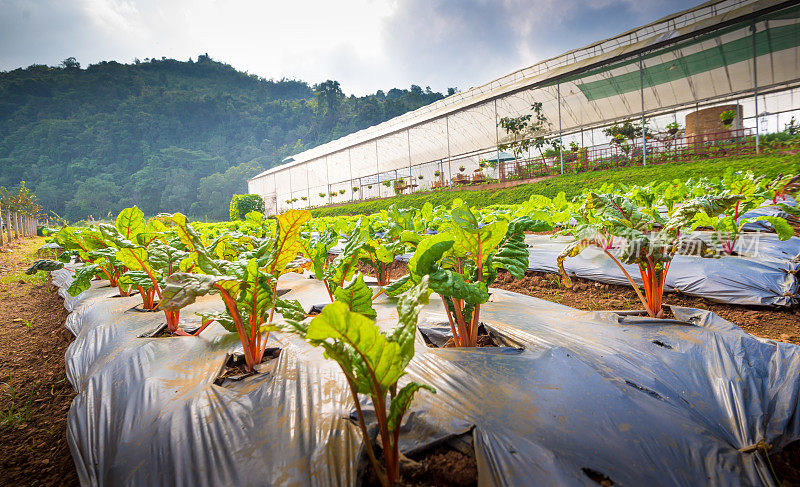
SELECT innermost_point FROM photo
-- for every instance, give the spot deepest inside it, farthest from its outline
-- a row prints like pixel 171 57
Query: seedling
pixel 461 263
pixel 372 362
pixel 247 286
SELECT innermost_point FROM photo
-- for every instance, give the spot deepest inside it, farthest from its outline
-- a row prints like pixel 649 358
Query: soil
pixel 787 464
pixel 34 392
pixel 236 368
pixel 484 340
pixel 441 466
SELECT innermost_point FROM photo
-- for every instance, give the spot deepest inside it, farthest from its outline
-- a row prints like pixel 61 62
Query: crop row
pixel 457 252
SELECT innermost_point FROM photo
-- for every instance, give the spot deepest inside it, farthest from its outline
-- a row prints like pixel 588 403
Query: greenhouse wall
pixel 723 52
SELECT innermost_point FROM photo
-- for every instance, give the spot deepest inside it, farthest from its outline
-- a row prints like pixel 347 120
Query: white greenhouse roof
pixel 708 16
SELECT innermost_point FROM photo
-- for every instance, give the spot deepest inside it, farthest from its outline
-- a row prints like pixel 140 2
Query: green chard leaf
pixel 44 265
pixel 357 296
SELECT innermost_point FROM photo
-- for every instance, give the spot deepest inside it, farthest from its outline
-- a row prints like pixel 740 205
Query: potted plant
pixel 462 168
pixel 332 194
pixel 288 202
pixel 727 117
pixel 322 195
pixel 304 198
pixel 369 186
pixel 388 184
pixel 437 173
pixel 673 128
pixel 341 191
pixel 294 200
pixel 420 177
pixel 355 189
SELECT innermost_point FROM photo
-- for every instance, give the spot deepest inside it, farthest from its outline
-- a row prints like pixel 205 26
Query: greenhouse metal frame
pixel 733 51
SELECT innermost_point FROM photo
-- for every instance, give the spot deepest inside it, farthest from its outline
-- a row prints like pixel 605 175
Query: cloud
pixel 365 44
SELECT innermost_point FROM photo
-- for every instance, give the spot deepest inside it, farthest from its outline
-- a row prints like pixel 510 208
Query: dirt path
pixel 34 392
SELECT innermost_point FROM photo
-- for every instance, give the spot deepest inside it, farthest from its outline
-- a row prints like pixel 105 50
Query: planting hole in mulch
pixel 449 464
pixel 439 335
pixel 598 477
pixel 316 309
pixel 235 368
pixel 132 293
pixel 139 308
pixel 162 331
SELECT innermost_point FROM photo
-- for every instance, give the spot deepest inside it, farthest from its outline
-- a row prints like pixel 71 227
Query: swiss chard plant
pixel 247 285
pixel 617 225
pixel 372 361
pixel 461 263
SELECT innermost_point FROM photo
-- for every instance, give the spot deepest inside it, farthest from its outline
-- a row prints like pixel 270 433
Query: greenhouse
pixel 735 54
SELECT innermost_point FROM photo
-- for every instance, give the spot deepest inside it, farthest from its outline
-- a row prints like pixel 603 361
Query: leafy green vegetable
pixel 372 362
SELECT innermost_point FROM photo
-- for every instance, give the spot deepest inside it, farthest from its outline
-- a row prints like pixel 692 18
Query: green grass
pixel 573 184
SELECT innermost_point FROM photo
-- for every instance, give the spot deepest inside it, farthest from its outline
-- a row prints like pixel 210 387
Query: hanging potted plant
pixel 304 198
pixel 437 173
pixel 462 168
pixel 727 117
pixel 355 189
pixel 341 191
pixel 420 177
pixel 672 128
pixel 321 195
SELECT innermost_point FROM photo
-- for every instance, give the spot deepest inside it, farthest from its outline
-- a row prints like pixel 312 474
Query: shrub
pixel 242 204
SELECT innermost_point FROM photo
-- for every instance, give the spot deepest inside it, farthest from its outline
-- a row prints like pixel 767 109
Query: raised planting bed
pixel 590 398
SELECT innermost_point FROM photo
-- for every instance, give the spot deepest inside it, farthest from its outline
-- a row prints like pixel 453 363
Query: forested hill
pixel 166 135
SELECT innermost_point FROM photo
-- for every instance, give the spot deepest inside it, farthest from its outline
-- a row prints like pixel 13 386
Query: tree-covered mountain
pixel 166 135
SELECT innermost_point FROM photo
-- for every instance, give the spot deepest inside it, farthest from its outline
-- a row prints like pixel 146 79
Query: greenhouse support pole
pixel 350 163
pixel 410 176
pixel 755 89
pixel 497 139
pixel 447 134
pixel 560 142
pixel 644 130
pixel 308 189
pixel 377 168
pixel 327 179
pixel 275 185
pixel 290 189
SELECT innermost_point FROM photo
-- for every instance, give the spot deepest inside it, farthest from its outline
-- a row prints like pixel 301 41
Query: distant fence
pixel 656 151
pixel 15 225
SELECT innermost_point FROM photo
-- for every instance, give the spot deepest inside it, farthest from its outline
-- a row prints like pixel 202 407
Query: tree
pixel 525 132
pixel 70 63
pixel 329 97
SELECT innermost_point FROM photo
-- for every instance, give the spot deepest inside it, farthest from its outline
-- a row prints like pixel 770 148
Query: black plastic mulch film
pixel 638 401
pixel 765 274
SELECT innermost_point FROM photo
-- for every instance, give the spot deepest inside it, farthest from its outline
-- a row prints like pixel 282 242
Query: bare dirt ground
pixel 34 392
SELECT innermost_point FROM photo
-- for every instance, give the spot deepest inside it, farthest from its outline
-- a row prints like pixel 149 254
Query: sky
pixel 366 45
